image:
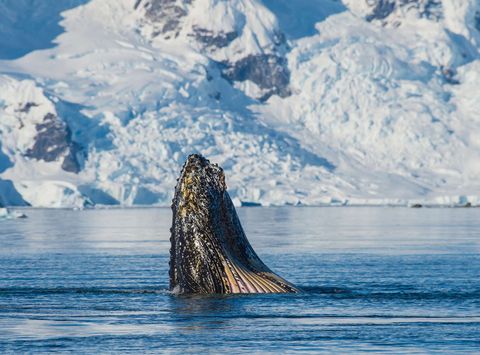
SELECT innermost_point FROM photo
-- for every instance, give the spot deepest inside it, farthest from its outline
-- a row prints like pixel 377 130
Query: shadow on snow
pixel 307 14
pixel 29 25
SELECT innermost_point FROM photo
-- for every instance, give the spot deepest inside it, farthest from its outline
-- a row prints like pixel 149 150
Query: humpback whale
pixel 210 253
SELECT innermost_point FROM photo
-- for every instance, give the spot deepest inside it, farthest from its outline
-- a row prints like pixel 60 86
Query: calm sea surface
pixel 374 279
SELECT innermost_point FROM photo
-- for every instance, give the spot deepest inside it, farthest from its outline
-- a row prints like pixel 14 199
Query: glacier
pixel 310 102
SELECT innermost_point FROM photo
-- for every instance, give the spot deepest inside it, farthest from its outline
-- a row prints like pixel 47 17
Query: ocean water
pixel 374 279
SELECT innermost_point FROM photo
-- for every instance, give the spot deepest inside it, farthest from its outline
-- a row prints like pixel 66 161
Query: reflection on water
pixel 374 279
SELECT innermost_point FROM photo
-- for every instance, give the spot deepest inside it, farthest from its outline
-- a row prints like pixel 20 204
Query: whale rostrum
pixel 210 253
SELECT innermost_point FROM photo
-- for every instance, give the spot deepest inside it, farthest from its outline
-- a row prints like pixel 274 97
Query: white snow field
pixel 306 102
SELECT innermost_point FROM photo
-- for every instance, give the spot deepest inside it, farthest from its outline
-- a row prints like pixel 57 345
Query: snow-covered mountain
pixel 302 102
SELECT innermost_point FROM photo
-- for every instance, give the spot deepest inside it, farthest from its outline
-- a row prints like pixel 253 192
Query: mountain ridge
pixel 351 109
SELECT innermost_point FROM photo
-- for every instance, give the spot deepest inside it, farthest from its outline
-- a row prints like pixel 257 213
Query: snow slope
pixel 309 102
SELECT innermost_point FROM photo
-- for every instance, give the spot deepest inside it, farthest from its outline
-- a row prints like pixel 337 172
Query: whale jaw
pixel 209 250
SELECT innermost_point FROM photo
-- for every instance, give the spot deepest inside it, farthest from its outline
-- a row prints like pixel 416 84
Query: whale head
pixel 209 250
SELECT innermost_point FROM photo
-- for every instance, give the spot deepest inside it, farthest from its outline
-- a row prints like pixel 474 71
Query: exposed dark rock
pixel 211 39
pixel 53 142
pixel 26 108
pixel 166 14
pixel 449 75
pixel 279 38
pixel 477 20
pixel 381 9
pixel 268 71
pixel 431 9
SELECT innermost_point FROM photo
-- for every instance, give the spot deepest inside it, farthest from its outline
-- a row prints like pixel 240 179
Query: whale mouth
pixel 209 250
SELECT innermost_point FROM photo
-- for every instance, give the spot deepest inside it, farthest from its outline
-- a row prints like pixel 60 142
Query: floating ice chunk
pixel 6 214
